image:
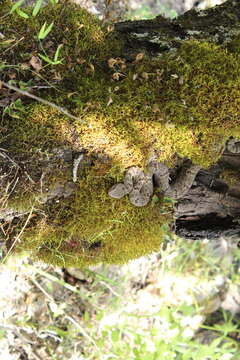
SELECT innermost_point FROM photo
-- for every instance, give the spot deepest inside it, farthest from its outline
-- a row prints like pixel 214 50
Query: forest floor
pixel 180 299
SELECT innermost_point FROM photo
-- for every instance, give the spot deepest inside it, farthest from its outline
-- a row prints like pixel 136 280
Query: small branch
pixel 74 322
pixel 18 236
pixel 5 156
pixel 43 101
pixel 11 47
pixel 110 288
pixel 42 289
pixel 75 166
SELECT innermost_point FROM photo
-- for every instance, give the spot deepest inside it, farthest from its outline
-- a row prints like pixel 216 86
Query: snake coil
pixel 139 186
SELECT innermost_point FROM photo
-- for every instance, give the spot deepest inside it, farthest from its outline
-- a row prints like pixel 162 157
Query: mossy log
pixel 71 125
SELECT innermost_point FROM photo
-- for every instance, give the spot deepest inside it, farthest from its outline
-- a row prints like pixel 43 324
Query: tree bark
pixel 219 24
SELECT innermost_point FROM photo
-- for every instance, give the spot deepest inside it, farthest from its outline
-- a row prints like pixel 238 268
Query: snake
pixel 233 145
pixel 139 185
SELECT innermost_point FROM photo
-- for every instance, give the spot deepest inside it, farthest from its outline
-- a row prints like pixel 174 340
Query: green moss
pixel 191 109
pixel 231 177
pixel 234 45
pixel 91 227
pixel 184 103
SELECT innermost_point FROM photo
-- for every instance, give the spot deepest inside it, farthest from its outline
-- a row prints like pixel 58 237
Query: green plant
pixel 225 328
pixel 35 10
pixel 116 327
pixel 14 109
pixel 16 8
pixel 55 60
pixel 43 32
pixel 37 7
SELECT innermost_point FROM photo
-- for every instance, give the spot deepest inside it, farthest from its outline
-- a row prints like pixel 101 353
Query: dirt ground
pixel 51 313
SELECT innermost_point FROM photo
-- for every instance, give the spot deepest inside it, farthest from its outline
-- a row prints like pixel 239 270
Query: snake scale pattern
pixel 139 186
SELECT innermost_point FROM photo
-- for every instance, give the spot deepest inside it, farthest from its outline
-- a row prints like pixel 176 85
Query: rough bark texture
pixel 211 208
pixel 219 24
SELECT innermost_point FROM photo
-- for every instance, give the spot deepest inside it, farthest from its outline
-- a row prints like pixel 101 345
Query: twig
pixel 110 288
pixel 41 182
pixel 42 289
pixel 5 156
pixel 81 329
pixel 75 166
pixel 46 81
pixel 29 178
pixel 60 282
pixel 6 197
pixel 43 101
pixel 13 45
pixel 4 232
pixel 16 331
pixel 19 235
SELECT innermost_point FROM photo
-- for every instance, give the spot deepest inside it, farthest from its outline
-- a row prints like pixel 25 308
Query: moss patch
pixel 231 177
pixel 185 102
pixel 91 227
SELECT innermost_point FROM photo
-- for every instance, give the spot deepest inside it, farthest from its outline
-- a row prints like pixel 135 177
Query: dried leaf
pixel 71 94
pixel 90 69
pixel 181 80
pixel 139 57
pixel 155 108
pixel 110 28
pixel 120 61
pixel 112 62
pixel 135 76
pixel 117 75
pixel 57 76
pixel 36 63
pixel 145 75
pixel 12 76
pixel 25 66
pixel 80 61
pixel 110 101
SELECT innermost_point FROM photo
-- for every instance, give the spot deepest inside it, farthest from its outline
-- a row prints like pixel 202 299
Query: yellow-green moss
pixel 191 110
pixel 231 177
pixel 91 216
pixel 234 45
pixel 185 102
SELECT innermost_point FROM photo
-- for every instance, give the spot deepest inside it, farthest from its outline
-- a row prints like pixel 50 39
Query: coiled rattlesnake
pixel 233 145
pixel 139 186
